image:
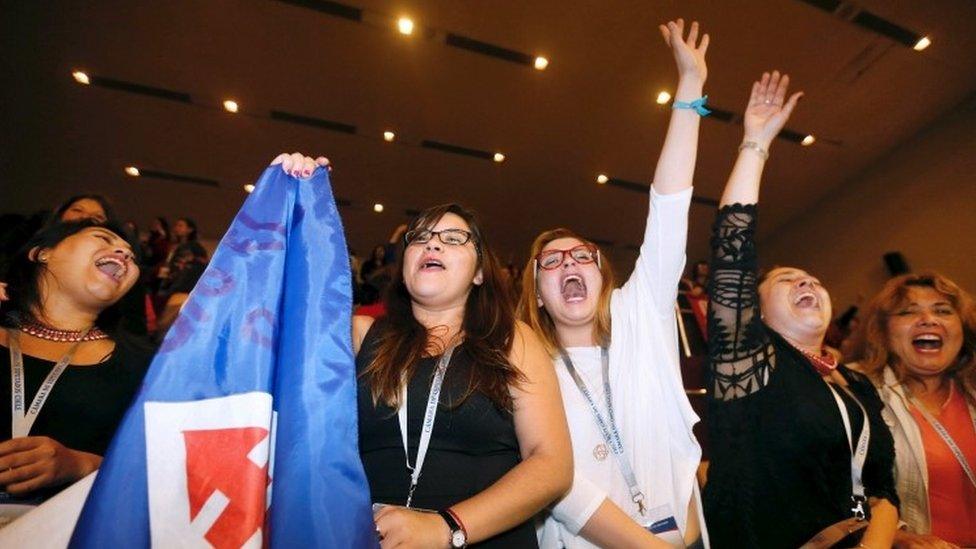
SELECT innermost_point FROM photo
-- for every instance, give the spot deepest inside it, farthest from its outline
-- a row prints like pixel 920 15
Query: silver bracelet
pixel 752 145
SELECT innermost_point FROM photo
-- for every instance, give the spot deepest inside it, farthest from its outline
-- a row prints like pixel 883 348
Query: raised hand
pixel 299 165
pixel 689 57
pixel 768 109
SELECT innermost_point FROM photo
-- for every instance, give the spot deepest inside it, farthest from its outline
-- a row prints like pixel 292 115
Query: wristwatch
pixel 459 538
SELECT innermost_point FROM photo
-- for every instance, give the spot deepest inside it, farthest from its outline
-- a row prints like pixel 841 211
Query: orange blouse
pixel 952 497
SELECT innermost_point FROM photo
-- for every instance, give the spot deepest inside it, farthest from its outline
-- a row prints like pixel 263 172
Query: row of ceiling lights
pixel 406 26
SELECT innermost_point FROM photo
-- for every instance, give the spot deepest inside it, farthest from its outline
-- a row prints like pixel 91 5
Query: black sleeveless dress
pixel 471 447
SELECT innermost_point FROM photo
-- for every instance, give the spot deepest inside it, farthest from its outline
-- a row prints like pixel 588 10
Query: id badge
pixel 661 522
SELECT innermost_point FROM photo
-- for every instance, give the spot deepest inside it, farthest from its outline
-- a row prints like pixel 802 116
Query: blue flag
pixel 244 432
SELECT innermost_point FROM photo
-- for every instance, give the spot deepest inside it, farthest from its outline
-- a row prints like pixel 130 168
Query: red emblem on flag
pixel 217 460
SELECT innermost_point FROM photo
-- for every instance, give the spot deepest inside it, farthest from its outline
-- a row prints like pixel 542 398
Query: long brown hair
pixel 538 318
pixel 488 327
pixel 871 338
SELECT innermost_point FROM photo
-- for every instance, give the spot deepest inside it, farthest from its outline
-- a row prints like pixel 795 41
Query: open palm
pixel 768 108
pixel 689 53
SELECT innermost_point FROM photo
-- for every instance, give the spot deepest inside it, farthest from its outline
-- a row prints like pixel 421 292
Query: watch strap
pixel 454 523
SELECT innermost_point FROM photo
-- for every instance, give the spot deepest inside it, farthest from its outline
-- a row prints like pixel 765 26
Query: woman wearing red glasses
pixel 635 456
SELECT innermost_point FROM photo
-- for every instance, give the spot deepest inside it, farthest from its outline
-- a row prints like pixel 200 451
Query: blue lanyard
pixel 608 426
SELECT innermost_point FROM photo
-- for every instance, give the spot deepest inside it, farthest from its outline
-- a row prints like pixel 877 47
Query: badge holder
pixel 660 521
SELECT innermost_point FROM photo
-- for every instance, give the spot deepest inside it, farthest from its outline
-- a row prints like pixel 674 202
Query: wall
pixel 919 200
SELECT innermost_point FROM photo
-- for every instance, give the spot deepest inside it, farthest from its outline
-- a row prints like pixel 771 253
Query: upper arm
pixel 662 253
pixel 360 326
pixel 540 420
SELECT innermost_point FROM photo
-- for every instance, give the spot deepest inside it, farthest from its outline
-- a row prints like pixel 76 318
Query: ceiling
pixel 591 111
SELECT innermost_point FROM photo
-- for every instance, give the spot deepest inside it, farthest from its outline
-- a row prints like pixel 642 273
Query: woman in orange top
pixel 918 342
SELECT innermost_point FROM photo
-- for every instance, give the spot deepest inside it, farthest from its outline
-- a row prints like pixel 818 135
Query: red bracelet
pixel 457 519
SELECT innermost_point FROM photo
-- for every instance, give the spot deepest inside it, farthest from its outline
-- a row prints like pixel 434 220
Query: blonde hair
pixel 538 318
pixel 871 338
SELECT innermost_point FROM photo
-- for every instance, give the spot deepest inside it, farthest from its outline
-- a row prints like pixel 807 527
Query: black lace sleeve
pixel 740 352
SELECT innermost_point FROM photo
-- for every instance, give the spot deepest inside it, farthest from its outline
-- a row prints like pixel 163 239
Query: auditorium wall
pixel 919 200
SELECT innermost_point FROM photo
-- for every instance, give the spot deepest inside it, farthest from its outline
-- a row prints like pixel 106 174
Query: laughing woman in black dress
pixel 65 288
pixel 781 469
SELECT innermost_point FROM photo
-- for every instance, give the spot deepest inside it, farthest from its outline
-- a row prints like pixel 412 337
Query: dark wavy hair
pixel 193 228
pixel 23 274
pixel 102 201
pixel 488 327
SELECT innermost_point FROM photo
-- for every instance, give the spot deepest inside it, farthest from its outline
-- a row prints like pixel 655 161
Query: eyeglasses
pixel 451 237
pixel 582 254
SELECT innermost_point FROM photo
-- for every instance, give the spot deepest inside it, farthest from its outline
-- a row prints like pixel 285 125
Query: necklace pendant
pixel 600 452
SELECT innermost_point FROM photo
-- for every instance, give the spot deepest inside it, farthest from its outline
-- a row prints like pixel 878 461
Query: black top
pixel 781 465
pixel 471 446
pixel 86 404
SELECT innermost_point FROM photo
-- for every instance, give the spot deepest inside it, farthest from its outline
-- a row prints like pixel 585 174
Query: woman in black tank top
pixel 497 450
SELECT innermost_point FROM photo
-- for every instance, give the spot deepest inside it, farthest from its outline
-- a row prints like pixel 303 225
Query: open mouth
pixel 112 266
pixel 431 264
pixel 573 289
pixel 927 343
pixel 806 300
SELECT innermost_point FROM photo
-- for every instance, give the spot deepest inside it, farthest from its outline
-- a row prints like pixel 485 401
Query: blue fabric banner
pixel 244 432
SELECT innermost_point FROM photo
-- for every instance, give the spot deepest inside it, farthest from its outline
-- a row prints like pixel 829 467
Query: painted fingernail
pixel 306 173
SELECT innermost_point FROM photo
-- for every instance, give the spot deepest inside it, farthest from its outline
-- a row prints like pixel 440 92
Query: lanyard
pixel 428 426
pixel 22 420
pixel 944 433
pixel 608 426
pixel 859 453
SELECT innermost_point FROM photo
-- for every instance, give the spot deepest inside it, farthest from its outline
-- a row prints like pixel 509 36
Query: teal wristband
pixel 698 105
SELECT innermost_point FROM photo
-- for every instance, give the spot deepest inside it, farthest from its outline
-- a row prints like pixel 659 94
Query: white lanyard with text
pixel 22 420
pixel 608 428
pixel 944 433
pixel 428 426
pixel 859 453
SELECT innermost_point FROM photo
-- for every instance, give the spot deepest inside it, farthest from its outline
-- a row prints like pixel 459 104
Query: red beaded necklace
pixel 823 363
pixel 32 327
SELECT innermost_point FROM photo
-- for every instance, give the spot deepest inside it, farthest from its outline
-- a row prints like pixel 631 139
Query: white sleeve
pixel 662 254
pixel 576 508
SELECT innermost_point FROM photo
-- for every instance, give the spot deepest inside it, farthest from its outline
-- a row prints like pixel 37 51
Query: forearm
pixel 516 497
pixel 676 165
pixel 743 184
pixel 883 526
pixel 611 527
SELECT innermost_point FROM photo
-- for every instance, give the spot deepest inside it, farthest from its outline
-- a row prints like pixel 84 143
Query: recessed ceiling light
pixel 249 188
pixel 602 179
pixel 378 208
pixel 541 63
pixel 81 77
pixel 663 98
pixel 922 43
pixel 405 25
pixel 808 140
pixel 389 136
pixel 132 170
pixel 230 105
pixel 499 157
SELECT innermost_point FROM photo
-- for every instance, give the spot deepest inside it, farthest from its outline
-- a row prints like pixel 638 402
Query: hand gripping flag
pixel 244 432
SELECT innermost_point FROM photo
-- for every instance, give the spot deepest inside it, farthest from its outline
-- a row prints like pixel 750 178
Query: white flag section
pixel 225 442
pixel 49 525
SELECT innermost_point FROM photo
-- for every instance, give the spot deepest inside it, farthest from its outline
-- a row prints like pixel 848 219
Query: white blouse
pixel 652 411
